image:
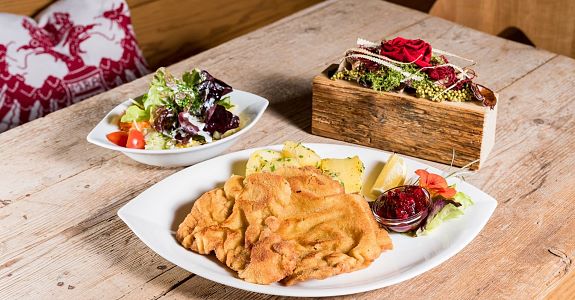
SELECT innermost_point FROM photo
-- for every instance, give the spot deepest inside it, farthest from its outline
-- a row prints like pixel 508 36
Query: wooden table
pixel 60 236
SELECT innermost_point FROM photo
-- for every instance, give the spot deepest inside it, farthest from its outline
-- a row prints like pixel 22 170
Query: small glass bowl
pixel 400 225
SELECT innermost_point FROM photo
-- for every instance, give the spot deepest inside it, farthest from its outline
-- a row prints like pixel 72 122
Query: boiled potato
pixel 348 171
pixel 273 165
pixel 304 155
pixel 259 159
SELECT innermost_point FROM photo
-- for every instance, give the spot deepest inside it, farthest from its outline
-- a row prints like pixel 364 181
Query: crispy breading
pixel 291 225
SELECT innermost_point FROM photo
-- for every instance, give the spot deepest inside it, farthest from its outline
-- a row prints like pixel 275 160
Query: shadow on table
pixel 111 243
pixel 290 98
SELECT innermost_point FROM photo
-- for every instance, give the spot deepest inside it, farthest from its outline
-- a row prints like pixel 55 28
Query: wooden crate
pixel 400 123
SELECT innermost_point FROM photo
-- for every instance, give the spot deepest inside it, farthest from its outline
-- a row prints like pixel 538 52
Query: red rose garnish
pixel 366 63
pixel 406 50
pixel 435 184
pixel 445 75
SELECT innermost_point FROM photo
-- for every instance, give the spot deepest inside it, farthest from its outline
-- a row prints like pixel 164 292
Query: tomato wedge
pixel 135 139
pixel 119 138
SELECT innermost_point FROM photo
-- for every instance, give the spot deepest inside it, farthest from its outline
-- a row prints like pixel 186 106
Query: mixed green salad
pixel 178 113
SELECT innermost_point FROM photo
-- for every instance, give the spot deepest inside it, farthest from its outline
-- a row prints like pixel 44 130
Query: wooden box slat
pixel 400 123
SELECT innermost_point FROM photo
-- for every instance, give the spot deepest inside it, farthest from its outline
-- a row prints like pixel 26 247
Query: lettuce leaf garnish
pixel 159 93
pixel 443 210
pixel 191 79
pixel 135 113
pixel 226 102
pixel 158 141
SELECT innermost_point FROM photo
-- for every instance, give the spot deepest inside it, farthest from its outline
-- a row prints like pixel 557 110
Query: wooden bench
pixel 547 24
pixel 171 30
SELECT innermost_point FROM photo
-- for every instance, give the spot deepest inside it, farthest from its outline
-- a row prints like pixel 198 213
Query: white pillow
pixel 74 49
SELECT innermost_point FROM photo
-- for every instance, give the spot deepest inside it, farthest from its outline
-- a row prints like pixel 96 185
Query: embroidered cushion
pixel 72 50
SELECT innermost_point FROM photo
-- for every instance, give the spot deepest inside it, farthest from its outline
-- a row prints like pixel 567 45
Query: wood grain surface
pixel 60 236
pixel 445 132
pixel 171 30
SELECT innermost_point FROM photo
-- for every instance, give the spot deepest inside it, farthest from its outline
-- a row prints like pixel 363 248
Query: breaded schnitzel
pixel 291 225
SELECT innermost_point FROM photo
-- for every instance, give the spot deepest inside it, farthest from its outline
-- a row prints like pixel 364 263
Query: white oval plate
pixel 249 107
pixel 155 214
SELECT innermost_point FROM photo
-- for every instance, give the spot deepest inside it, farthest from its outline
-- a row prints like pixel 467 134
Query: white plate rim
pixel 491 203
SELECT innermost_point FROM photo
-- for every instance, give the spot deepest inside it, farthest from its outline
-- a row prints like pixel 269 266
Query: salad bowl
pixel 249 107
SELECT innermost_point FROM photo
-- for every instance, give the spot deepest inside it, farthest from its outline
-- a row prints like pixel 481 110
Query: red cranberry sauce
pixel 403 202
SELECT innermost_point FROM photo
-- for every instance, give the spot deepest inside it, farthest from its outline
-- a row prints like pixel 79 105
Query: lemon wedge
pixel 392 175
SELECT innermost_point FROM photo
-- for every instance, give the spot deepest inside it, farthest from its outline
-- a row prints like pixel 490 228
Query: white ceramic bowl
pixel 247 106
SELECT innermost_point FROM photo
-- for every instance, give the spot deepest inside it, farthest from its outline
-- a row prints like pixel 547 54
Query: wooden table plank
pixel 70 233
pixel 565 289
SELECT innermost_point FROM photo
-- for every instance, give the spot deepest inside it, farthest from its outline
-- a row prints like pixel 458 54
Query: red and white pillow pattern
pixel 72 50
